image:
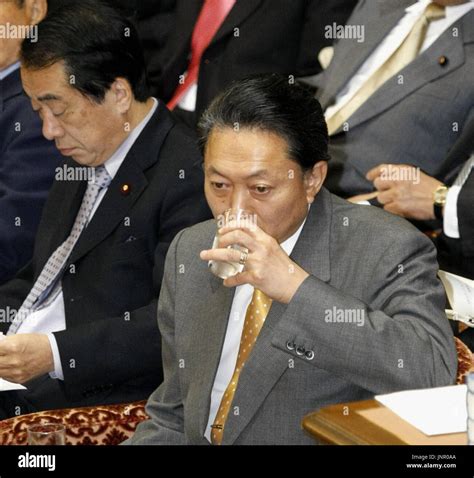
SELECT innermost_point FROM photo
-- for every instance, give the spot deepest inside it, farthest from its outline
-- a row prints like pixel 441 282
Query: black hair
pixel 97 44
pixel 274 104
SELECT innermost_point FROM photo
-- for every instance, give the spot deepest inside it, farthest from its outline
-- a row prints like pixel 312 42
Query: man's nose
pixel 238 199
pixel 51 128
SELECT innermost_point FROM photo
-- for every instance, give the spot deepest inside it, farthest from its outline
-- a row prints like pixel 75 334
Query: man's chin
pixel 81 159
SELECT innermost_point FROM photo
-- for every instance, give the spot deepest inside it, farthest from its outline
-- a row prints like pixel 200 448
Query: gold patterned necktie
pixel 255 316
pixel 402 56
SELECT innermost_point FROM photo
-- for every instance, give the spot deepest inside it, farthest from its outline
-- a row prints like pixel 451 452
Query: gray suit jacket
pixel 417 122
pixel 359 258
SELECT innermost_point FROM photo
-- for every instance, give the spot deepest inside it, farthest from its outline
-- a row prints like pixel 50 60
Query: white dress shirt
pixel 8 70
pixel 52 318
pixel 450 214
pixel 188 101
pixel 243 295
pixel 393 40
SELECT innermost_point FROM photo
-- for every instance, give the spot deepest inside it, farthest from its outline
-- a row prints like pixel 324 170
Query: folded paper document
pixel 460 293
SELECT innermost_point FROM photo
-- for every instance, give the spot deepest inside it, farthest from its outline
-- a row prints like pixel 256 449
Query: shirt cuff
pixel 450 216
pixel 58 368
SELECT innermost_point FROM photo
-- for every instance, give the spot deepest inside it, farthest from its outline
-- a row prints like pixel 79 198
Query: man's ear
pixel 35 10
pixel 314 179
pixel 122 94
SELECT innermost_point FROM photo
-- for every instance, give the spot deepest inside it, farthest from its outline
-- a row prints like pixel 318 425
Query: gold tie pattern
pixel 405 54
pixel 255 316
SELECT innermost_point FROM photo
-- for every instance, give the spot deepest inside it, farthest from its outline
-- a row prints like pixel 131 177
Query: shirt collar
pixel 112 165
pixel 9 69
pixel 422 4
pixel 290 243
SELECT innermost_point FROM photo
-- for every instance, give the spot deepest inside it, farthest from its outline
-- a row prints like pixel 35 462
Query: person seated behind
pixel 336 301
pixel 214 42
pixel 411 193
pixel 27 160
pixel 84 330
pixel 402 96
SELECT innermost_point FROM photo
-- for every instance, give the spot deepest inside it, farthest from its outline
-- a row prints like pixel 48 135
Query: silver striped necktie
pixel 54 268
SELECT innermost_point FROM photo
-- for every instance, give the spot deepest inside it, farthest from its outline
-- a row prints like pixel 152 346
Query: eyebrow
pixel 49 97
pixel 258 173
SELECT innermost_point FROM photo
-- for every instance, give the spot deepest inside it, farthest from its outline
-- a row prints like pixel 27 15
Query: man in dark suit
pixel 85 332
pixel 154 20
pixel 456 251
pixel 456 247
pixel 249 37
pixel 27 159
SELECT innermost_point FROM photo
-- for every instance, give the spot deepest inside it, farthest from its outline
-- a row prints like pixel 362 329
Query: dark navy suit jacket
pixel 27 164
pixel 111 349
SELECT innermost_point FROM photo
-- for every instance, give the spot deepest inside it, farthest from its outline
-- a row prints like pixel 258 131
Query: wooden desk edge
pixel 329 425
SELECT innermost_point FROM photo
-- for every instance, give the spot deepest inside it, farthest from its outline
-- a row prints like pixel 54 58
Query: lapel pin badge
pixel 442 60
pixel 125 189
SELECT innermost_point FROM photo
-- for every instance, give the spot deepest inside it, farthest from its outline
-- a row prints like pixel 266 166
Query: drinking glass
pixel 46 434
pixel 233 217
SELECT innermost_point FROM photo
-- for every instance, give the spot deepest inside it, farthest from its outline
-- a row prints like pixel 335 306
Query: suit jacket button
pixel 309 355
pixel 442 60
pixel 300 350
pixel 290 345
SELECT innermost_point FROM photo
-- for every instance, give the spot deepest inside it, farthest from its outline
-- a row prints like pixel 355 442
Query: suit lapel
pixel 238 14
pixel 350 55
pixel 214 323
pixel 266 363
pixel 66 212
pixel 71 204
pixel 423 70
pixel 115 206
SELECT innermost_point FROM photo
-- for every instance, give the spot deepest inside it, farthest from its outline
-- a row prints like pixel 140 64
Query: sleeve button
pixel 300 350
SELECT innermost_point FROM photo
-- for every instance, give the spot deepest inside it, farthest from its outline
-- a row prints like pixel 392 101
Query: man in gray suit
pixel 349 296
pixel 416 113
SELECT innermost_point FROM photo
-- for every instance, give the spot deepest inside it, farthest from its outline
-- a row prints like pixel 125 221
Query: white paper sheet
pixel 434 411
pixel 460 293
pixel 5 386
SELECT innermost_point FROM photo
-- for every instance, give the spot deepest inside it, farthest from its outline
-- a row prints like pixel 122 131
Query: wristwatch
pixel 439 200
